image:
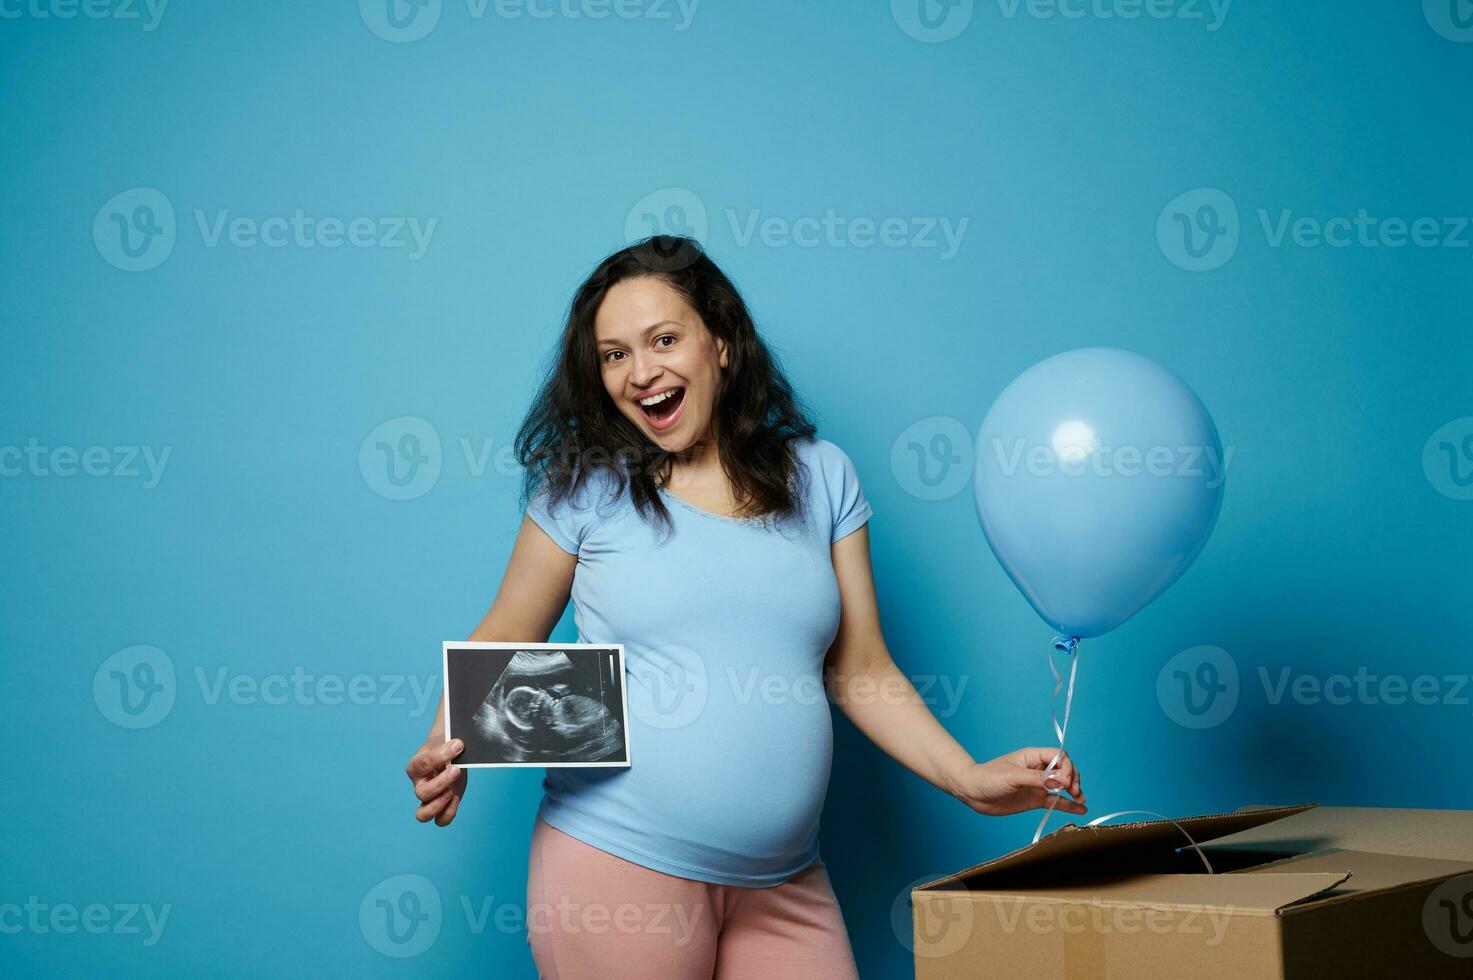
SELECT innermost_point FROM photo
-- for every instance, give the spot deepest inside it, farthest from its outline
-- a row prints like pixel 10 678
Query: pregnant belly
pixel 736 789
pixel 765 777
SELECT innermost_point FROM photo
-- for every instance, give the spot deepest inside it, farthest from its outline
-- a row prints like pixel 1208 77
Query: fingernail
pixel 457 745
pixel 453 771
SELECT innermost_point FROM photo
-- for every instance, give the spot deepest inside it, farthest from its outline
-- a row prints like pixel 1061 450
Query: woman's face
pixel 660 364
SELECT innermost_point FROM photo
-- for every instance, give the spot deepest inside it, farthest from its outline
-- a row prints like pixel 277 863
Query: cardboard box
pixel 1298 891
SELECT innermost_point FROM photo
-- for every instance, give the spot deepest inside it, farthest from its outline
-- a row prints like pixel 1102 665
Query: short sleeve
pixel 847 502
pixel 564 522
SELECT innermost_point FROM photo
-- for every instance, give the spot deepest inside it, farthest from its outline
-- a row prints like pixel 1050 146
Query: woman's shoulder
pixel 590 488
pixel 826 454
pixel 834 482
pixel 827 463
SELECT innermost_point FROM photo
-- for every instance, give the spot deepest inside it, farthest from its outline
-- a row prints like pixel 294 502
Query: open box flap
pixel 1370 871
pixel 1232 893
pixel 1444 834
pixel 1080 846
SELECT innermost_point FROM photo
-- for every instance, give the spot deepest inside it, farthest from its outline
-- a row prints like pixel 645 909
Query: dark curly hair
pixel 573 427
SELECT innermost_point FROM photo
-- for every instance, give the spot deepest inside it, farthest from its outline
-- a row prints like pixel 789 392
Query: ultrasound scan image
pixel 544 706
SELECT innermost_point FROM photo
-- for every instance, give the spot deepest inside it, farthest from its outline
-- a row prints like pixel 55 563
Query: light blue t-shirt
pixel 725 626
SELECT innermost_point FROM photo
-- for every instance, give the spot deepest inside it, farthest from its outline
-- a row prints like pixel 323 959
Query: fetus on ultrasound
pixel 541 709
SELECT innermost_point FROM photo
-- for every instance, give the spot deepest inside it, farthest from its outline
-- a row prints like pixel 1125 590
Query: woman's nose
pixel 643 372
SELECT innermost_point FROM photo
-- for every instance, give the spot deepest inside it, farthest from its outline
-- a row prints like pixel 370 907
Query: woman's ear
pixel 721 350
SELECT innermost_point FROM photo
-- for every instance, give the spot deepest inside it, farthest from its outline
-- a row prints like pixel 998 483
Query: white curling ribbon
pixel 1069 646
pixel 1159 816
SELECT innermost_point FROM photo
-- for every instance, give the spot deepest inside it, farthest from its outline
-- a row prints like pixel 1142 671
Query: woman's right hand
pixel 533 594
pixel 438 782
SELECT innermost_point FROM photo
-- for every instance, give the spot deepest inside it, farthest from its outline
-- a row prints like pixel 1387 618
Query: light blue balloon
pixel 1098 478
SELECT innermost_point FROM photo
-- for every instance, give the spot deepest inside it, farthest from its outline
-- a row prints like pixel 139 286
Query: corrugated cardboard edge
pixel 1233 894
pixel 1202 828
pixel 1313 896
pixel 1443 834
pixel 1316 902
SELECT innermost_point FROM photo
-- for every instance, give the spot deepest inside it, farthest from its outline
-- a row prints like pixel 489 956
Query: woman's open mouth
pixel 663 409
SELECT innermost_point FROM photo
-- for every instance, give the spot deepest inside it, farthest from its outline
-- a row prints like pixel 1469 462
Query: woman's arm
pixel 533 594
pixel 863 680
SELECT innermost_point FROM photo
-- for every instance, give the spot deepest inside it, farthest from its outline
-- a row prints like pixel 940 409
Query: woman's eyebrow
pixel 645 332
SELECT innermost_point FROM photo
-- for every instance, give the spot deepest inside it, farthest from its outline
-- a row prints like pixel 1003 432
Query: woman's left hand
pixel 1015 782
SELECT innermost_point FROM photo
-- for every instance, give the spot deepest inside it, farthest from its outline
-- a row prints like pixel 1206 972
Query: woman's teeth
pixel 661 408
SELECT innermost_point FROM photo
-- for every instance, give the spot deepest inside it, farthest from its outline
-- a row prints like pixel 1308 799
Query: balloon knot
pixel 1066 645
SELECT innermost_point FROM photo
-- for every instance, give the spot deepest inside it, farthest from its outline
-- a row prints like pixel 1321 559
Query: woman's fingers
pixel 432 809
pixel 448 814
pixel 1036 779
pixel 1037 800
pixel 429 789
pixel 427 762
pixel 438 783
pixel 1033 779
pixel 1068 776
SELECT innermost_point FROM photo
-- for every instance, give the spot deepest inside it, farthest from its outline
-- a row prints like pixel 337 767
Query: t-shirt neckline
pixel 709 513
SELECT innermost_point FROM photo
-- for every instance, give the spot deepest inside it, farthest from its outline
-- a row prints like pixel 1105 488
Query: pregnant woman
pixel 678 494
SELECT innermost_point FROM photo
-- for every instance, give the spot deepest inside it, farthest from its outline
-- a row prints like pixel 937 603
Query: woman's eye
pixel 611 354
pixel 669 336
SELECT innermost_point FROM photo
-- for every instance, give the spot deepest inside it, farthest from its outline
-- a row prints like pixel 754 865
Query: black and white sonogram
pixel 536 704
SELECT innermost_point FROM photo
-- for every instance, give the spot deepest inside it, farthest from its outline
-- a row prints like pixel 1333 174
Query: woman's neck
pixel 697 463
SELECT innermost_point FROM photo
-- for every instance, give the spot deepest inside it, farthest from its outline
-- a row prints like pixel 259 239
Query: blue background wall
pixel 264 556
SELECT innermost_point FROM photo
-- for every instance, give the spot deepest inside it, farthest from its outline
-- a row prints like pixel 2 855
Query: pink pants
pixel 593 915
